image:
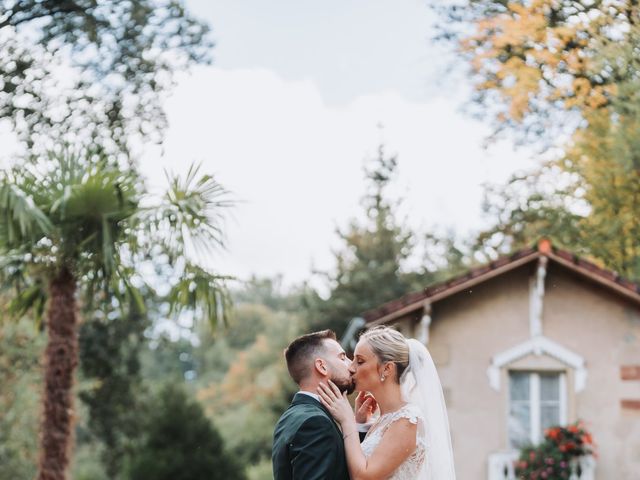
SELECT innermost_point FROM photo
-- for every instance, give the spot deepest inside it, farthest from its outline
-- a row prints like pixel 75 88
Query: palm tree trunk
pixel 61 359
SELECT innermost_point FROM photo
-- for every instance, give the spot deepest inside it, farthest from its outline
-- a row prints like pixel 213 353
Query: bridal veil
pixel 421 387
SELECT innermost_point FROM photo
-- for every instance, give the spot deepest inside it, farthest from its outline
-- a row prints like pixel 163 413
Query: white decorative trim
pixel 501 462
pixel 494 377
pixel 563 400
pixel 424 324
pixel 534 398
pixel 536 298
pixel 581 379
pixel 537 346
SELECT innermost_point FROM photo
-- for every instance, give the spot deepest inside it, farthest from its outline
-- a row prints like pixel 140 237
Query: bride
pixel 410 440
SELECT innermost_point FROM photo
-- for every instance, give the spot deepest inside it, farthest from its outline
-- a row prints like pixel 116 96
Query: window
pixel 537 401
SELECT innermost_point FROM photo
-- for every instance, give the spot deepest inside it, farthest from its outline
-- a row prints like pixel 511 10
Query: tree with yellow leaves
pixel 547 67
pixel 587 202
pixel 605 155
pixel 535 61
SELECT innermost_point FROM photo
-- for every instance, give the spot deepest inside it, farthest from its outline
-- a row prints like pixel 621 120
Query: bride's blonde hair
pixel 388 345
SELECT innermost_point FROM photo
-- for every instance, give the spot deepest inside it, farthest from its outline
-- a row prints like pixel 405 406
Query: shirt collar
pixel 312 395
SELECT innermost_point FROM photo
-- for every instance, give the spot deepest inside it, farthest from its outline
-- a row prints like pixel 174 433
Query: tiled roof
pixel 413 301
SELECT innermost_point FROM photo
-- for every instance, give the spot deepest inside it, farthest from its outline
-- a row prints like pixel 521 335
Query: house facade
pixel 536 339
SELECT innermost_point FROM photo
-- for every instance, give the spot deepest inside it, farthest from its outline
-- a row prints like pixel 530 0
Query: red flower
pixel 553 433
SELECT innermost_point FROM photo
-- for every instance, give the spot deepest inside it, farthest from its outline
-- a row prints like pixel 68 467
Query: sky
pixel 298 98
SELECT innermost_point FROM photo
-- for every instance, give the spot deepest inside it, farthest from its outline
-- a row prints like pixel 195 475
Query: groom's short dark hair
pixel 301 352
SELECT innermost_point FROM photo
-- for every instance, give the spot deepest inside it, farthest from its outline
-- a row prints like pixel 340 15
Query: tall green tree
pixel 113 389
pixel 572 66
pixel 369 267
pixel 181 444
pixel 269 291
pixel 21 347
pixel 545 202
pixel 77 226
pixel 588 202
pixel 94 71
pixel 605 155
pixel 242 380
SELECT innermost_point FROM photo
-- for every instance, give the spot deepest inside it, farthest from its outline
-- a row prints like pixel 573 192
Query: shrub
pixel 554 458
pixel 181 444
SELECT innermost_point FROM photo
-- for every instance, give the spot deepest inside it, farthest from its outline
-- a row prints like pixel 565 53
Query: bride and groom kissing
pixel 400 427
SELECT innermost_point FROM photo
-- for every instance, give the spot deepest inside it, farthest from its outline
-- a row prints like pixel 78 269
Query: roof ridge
pixel 543 247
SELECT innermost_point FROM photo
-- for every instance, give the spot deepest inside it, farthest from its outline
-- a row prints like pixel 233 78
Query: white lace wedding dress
pixel 412 466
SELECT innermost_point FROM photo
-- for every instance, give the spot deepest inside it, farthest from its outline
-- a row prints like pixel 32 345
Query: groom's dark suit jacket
pixel 307 443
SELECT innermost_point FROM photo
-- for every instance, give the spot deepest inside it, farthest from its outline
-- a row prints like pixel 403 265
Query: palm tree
pixel 77 226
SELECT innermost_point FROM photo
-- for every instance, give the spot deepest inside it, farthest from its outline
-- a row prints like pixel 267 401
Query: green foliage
pixel 237 374
pixel 260 471
pixel 603 155
pixel 547 67
pixel 21 347
pixel 167 360
pixel 546 202
pixel 93 71
pixel 533 63
pixel 78 216
pixel 87 463
pixel 181 444
pixel 197 289
pixel 369 268
pixel 254 388
pixel 444 256
pixel 587 203
pixel 114 391
pixel 268 291
pixel 555 458
pixel 82 211
pixel 251 320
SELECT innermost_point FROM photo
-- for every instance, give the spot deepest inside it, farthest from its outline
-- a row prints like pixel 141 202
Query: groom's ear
pixel 321 366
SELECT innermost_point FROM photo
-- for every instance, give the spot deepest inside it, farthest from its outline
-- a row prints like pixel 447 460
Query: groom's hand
pixel 366 406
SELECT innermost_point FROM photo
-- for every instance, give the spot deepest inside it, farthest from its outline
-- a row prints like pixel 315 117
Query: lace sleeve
pixel 409 411
pixel 412 467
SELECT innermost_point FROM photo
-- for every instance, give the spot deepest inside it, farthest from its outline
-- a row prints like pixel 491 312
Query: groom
pixel 307 443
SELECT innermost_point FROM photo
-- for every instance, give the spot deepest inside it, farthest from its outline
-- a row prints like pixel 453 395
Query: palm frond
pixel 22 221
pixel 82 210
pixel 128 293
pixel 28 291
pixel 30 299
pixel 108 254
pixel 201 292
pixel 195 207
pixel 93 202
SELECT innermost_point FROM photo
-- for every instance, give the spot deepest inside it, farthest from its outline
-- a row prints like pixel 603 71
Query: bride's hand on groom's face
pixel 366 406
pixel 336 402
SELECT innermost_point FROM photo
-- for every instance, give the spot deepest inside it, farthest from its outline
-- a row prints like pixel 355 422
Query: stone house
pixel 531 340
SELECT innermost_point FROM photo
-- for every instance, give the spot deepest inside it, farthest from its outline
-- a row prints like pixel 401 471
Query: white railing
pixel 501 467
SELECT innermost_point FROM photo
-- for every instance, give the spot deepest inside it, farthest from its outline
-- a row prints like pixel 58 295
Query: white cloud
pixel 295 163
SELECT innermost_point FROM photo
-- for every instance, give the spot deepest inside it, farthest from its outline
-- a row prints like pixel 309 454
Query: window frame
pixel 535 427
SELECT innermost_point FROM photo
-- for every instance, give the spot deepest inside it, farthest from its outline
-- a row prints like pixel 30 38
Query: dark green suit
pixel 307 443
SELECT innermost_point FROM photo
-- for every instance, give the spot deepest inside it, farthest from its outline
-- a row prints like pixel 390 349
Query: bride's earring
pixel 382 378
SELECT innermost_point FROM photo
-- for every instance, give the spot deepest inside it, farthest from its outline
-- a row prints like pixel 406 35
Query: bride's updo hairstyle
pixel 388 345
